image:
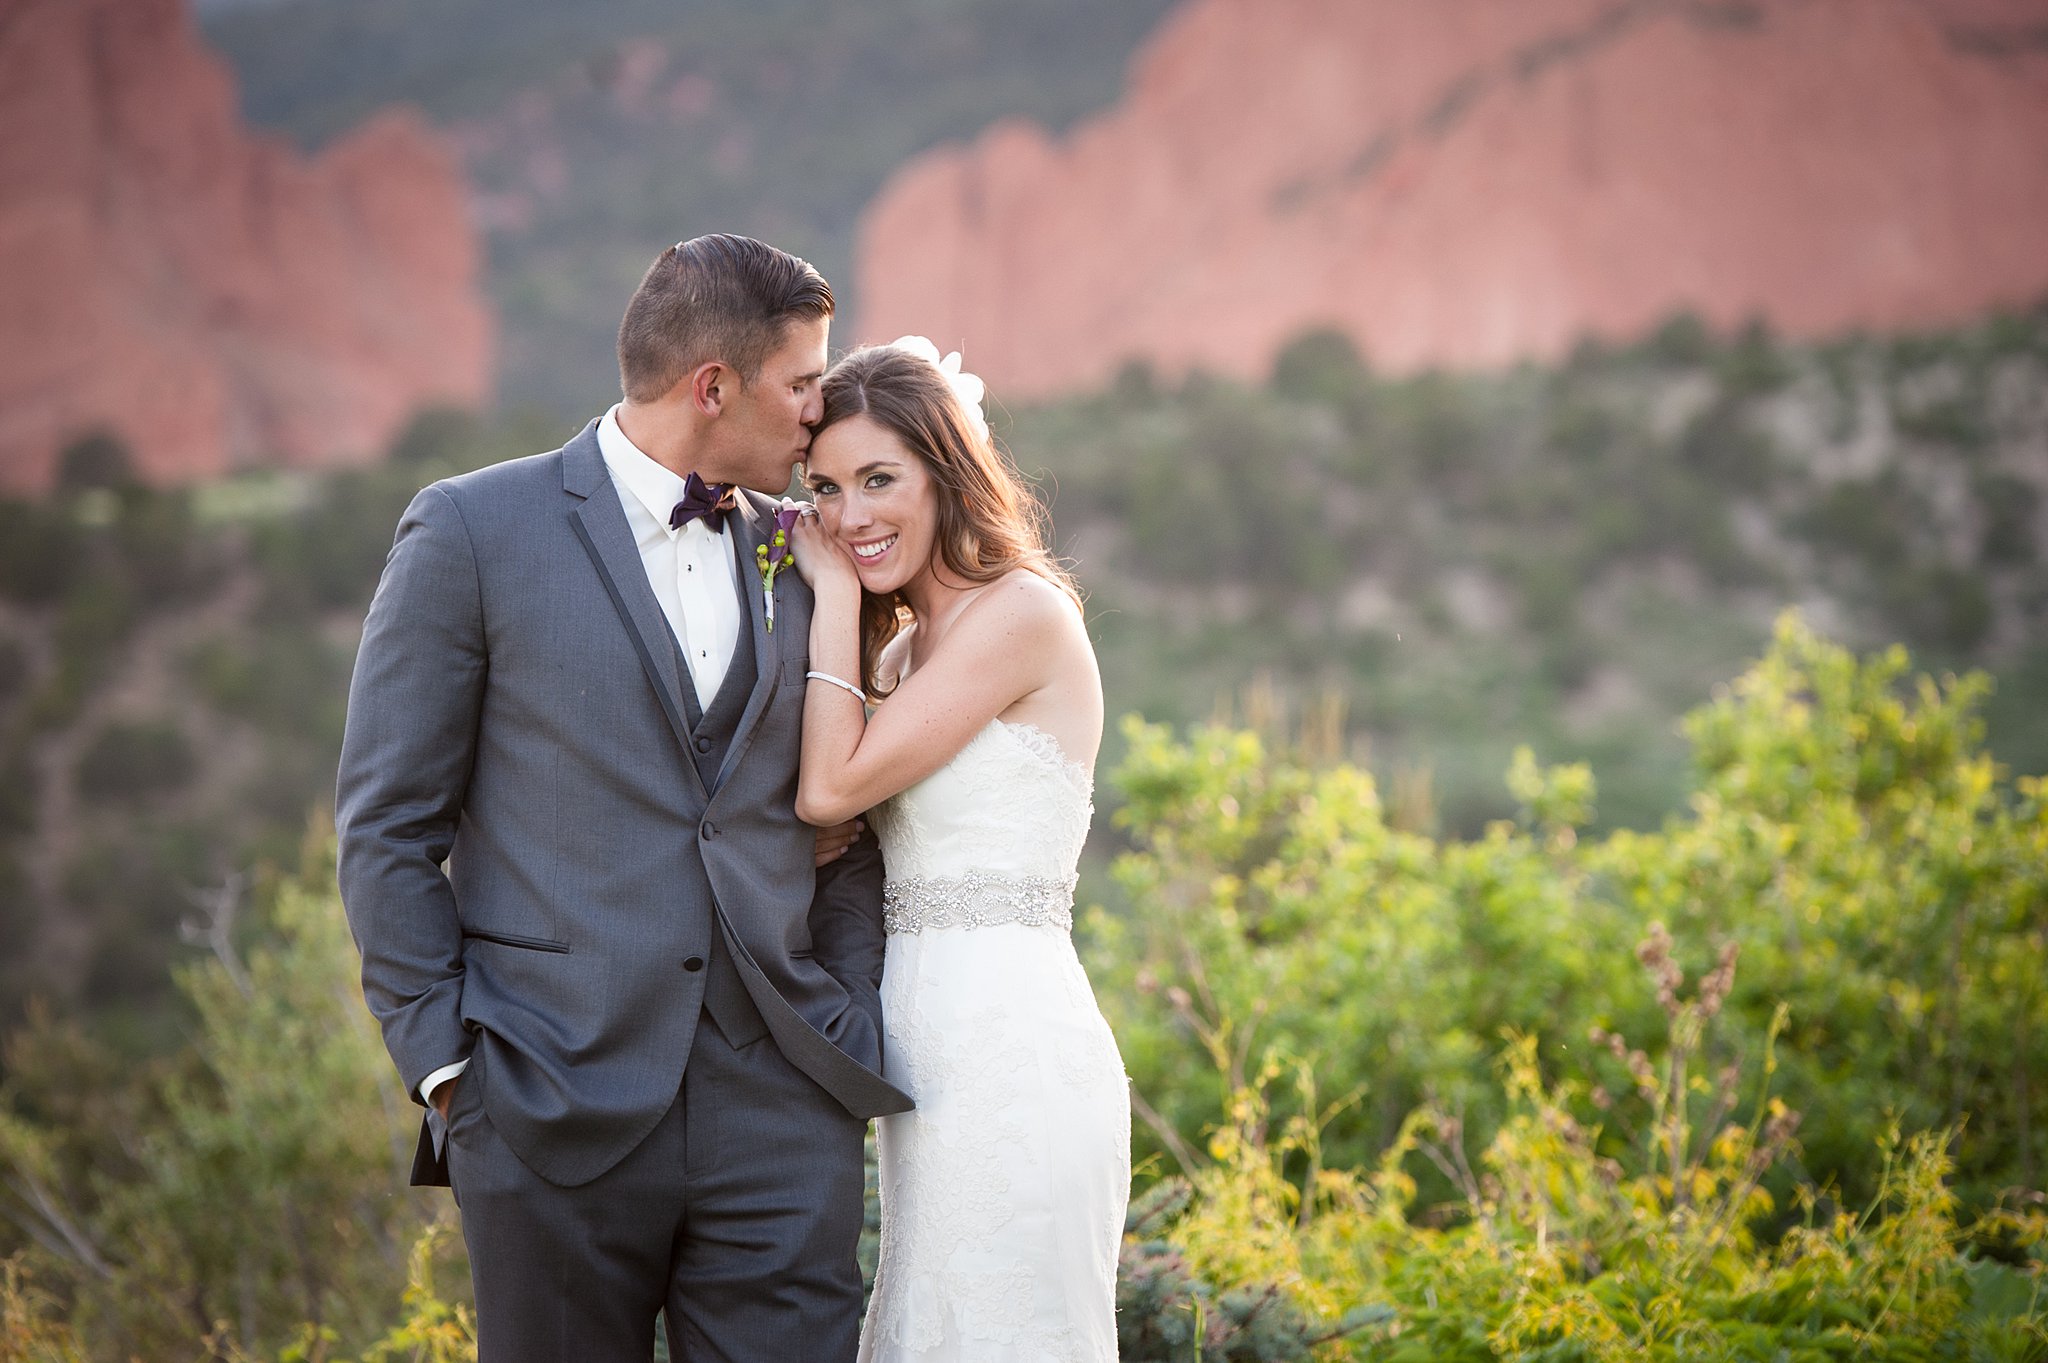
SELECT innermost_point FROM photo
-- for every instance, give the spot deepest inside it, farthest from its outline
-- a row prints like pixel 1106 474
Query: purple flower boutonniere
pixel 772 560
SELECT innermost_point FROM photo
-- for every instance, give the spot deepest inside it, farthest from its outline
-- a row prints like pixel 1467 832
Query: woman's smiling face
pixel 875 497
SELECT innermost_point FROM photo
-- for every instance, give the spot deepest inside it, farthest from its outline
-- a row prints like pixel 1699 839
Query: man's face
pixel 766 425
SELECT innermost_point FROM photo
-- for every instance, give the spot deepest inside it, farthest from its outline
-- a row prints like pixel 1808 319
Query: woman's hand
pixel 823 561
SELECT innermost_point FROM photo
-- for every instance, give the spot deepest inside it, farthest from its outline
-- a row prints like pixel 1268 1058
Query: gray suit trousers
pixel 739 1214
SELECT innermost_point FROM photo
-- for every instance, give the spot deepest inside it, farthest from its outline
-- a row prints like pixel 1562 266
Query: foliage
pixel 1558 556
pixel 131 761
pixel 1554 557
pixel 1553 1250
pixel 237 1190
pixel 1165 1311
pixel 1848 838
pixel 173 674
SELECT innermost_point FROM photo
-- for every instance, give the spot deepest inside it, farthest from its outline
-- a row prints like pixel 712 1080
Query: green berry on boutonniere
pixel 770 562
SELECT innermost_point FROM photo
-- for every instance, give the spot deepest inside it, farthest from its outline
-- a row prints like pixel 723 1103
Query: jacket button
pixel 703 745
pixel 708 831
pixel 693 963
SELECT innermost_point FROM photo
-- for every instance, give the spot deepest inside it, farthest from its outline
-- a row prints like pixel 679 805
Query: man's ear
pixel 711 385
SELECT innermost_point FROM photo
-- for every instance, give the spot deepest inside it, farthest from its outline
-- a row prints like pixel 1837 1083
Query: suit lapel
pixel 600 523
pixel 751 527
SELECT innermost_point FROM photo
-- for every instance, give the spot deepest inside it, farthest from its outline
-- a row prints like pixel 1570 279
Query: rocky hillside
pixel 1468 183
pixel 200 292
pixel 599 132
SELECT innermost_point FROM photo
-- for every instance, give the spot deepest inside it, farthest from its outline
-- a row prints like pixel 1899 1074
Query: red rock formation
pixel 210 296
pixel 1471 182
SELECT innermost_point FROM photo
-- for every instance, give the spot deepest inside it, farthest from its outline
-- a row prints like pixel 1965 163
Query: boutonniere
pixel 772 560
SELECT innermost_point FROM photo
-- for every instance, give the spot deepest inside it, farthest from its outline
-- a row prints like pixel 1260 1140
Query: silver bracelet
pixel 841 683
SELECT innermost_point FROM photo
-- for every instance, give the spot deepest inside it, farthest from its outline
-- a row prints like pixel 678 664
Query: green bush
pixel 1752 366
pixel 1681 342
pixel 19 786
pixel 99 461
pixel 1319 366
pixel 135 762
pixel 233 1191
pixel 98 614
pixel 39 552
pixel 14 671
pixel 1938 607
pixel 1871 518
pixel 2009 506
pixel 1552 1249
pixel 1845 830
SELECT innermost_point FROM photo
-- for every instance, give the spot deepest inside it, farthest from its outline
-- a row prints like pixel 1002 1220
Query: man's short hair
pixel 717 297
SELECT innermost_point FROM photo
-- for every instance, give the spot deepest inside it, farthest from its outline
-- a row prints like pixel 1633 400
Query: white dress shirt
pixel 691 571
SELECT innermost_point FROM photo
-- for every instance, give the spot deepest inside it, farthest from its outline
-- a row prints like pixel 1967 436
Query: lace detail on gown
pixel 1003 1193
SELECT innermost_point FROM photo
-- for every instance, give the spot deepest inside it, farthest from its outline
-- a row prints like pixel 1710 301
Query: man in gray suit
pixel 646 1030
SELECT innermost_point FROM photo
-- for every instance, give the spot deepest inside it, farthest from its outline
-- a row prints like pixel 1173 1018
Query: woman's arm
pixel 998 651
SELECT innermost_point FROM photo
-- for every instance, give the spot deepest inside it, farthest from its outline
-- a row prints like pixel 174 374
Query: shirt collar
pixel 651 485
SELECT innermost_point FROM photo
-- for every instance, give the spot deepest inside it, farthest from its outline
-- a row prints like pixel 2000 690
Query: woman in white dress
pixel 1003 1193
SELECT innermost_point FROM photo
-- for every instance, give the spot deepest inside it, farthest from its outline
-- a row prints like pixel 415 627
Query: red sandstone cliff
pixel 1470 182
pixel 208 295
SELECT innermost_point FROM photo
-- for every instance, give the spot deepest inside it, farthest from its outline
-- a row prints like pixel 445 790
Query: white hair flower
pixel 966 386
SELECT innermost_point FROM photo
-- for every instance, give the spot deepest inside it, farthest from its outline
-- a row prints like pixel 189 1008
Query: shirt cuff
pixel 438 1078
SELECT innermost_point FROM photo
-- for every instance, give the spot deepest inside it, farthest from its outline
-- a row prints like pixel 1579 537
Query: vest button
pixel 693 963
pixel 703 745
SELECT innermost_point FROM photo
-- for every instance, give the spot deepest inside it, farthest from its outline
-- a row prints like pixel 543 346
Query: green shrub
pixel 235 1190
pixel 2009 506
pixel 1554 1249
pixel 1752 365
pixel 14 671
pixel 1681 342
pixel 1319 366
pixel 1846 830
pixel 135 762
pixel 98 461
pixel 98 615
pixel 165 557
pixel 1871 518
pixel 19 785
pixel 39 553
pixel 1939 607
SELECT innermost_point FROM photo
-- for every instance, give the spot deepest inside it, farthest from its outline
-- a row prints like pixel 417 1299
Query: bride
pixel 1003 1193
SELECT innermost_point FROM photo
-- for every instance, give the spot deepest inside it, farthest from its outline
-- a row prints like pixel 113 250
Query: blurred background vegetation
pixel 1441 567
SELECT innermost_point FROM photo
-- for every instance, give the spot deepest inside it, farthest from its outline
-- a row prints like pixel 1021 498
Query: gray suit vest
pixel 711 730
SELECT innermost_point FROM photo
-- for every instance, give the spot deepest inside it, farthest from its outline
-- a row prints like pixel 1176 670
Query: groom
pixel 645 1029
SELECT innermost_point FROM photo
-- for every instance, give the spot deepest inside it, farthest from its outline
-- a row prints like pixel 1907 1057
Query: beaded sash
pixel 977 900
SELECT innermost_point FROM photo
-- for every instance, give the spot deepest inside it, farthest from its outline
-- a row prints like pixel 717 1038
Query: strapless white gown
pixel 1003 1193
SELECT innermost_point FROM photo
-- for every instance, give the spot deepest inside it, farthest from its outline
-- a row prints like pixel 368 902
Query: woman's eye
pixel 880 480
pixel 823 489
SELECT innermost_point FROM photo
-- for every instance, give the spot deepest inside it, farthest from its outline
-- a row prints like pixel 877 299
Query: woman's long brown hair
pixel 990 521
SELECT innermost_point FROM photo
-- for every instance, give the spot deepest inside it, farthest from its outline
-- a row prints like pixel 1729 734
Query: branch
pixel 1182 1153
pixel 215 930
pixel 76 1246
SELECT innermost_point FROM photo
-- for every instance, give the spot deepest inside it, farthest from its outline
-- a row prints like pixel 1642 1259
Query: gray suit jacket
pixel 528 857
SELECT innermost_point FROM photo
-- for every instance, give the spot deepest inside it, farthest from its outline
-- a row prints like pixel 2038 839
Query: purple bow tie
pixel 701 501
